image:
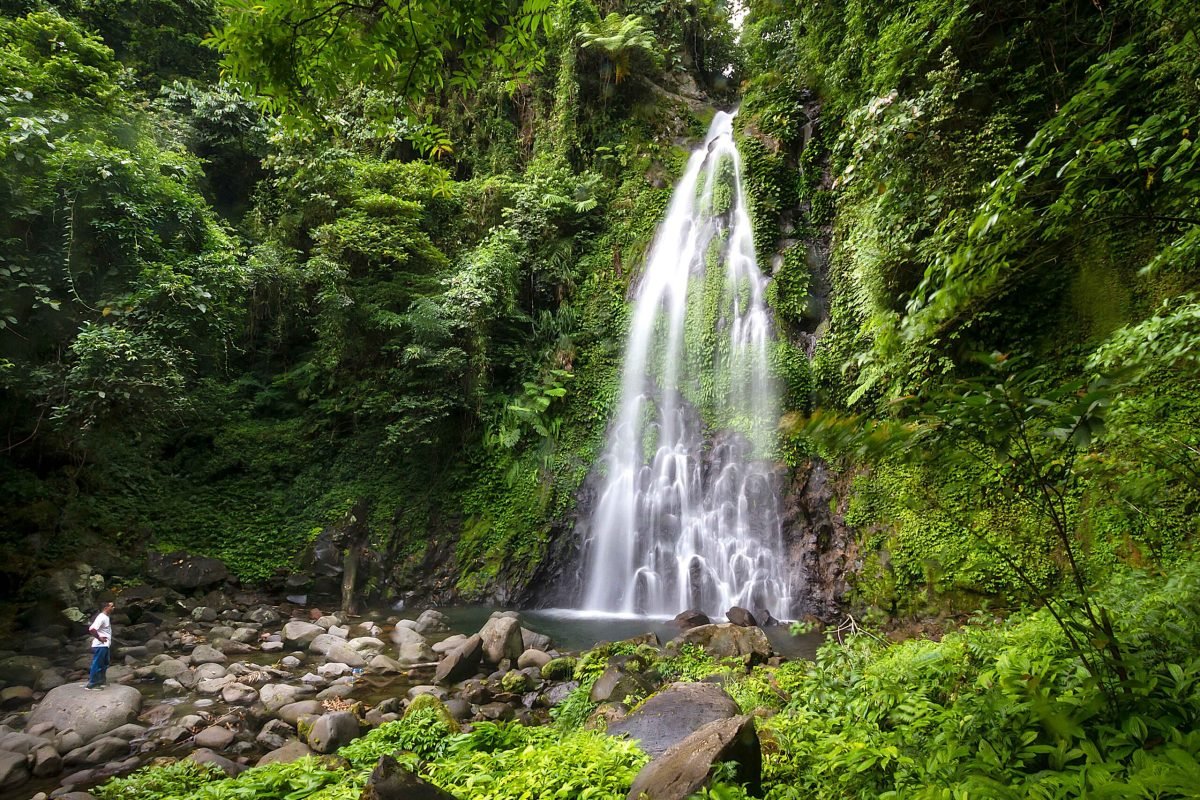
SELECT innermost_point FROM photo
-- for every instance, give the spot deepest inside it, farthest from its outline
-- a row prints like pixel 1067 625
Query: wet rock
pixel 448 644
pixel 45 762
pixel 214 685
pixel 725 640
pixel 617 685
pixel 263 615
pixel 411 647
pixel 532 640
pixel 298 633
pixel 533 658
pixel 271 647
pixel 170 668
pixel 209 671
pixel 741 617
pixel 275 734
pixel 182 571
pixel 684 768
pixel 459 708
pixel 323 642
pixel 239 694
pixel 99 751
pixel 515 682
pixel 332 731
pixel 275 696
pixel 691 619
pixel 204 614
pixel 366 646
pixel 14 769
pixel 339 690
pixel 432 621
pixel 675 713
pixel 207 756
pixel 461 662
pixel 390 781
pixel 558 669
pixel 384 665
pixel 245 635
pixel 333 670
pixel 127 732
pixel 293 712
pixel 23 670
pixel 557 693
pixel 340 653
pixel 215 737
pixel 292 751
pixel 501 637
pixel 291 662
pixel 88 713
pixel 496 712
pixel 432 691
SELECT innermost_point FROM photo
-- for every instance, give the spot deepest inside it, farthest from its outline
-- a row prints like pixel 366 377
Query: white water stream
pixel 689 513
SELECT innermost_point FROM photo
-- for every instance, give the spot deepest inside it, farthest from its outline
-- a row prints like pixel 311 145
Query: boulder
pixel 384 665
pixel 433 691
pixel 88 713
pixel 533 658
pixel 461 662
pixel 239 694
pixel 558 693
pixel 263 615
pixel 207 756
pixel 366 646
pixel 390 781
pixel 209 671
pixel 292 751
pixel 691 619
pixel 298 633
pixel 292 713
pixel 23 743
pixel 332 731
pixel 275 696
pixel 97 751
pixel 216 737
pixel 501 638
pixel 742 617
pixel 725 640
pixel 24 670
pixel 170 668
pixel 411 647
pixel 532 640
pixel 342 654
pixel 275 734
pixel 205 614
pixel 559 669
pixel 46 762
pixel 180 570
pixel 204 654
pixel 323 642
pixel 245 635
pixel 333 670
pixel 14 769
pixel 432 621
pixel 448 644
pixel 675 713
pixel 615 685
pixel 684 769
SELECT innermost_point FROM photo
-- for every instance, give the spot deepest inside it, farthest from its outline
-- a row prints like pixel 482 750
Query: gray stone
pixel 292 751
pixel 384 665
pixel 14 769
pixel 558 693
pixel 741 617
pixel 275 696
pixel 239 694
pixel 181 571
pixel 329 621
pixel 245 635
pixel 291 662
pixel 616 686
pixel 128 732
pixel 204 614
pixel 725 640
pixel 210 670
pixel 214 685
pixel 220 632
pixel 275 734
pixel 99 751
pixel 435 691
pixel 432 621
pixel 263 615
pixel 675 713
pixel 532 640
pixel 366 646
pixel 533 658
pixel 501 637
pixel 684 769
pixel 207 756
pixel 333 670
pixel 271 647
pixel 448 644
pixel 23 743
pixel 24 669
pixel 88 713
pixel 496 712
pixel 461 662
pixel 46 762
pixel 332 731
pixel 292 712
pixel 297 633
pixel 169 668
pixel 14 697
pixel 49 679
pixel 691 619
pixel 411 647
pixel 216 737
pixel 323 642
pixel 342 654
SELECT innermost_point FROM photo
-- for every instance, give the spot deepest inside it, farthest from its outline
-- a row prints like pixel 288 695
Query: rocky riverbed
pixel 235 678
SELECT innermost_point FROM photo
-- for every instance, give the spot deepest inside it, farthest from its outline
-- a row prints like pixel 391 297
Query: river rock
pixel 182 571
pixel 206 756
pixel 214 685
pixel 46 762
pixel 88 713
pixel 128 732
pixel 216 737
pixel 741 617
pixel 390 781
pixel 275 734
pixel 291 662
pixel 14 769
pixel 275 696
pixel 448 644
pixel 432 621
pixel 239 694
pixel 384 665
pixel 170 668
pixel 433 691
pixel 24 670
pixel 333 670
pixel 322 642
pixel 461 662
pixel 557 693
pixel 533 658
pixel 210 671
pixel 691 619
pixel 342 654
pixel 204 614
pixel 245 635
pixel 298 633
pixel 684 769
pixel 15 697
pixel 49 679
pixel 98 751
pixel 675 713
pixel 293 712
pixel 501 637
pixel 725 640
pixel 496 712
pixel 263 615
pixel 23 743
pixel 532 640
pixel 615 685
pixel 292 751
pixel 332 731
pixel 328 621
pixel 411 647
pixel 366 646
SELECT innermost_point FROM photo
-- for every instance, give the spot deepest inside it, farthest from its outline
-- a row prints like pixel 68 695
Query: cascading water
pixel 689 516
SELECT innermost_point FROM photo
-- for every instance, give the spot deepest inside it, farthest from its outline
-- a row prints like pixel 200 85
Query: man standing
pixel 101 631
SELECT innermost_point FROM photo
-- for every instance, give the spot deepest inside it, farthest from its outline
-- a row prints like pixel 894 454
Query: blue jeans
pixel 99 666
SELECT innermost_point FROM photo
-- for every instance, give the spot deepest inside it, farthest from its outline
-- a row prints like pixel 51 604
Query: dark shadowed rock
pixel 333 731
pixel 741 617
pixel 691 619
pixel 14 770
pixel 684 768
pixel 675 713
pixel 616 685
pixel 182 571
pixel 390 781
pixel 292 751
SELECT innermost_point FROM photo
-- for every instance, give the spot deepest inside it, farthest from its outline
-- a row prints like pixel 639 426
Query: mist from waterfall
pixel 689 513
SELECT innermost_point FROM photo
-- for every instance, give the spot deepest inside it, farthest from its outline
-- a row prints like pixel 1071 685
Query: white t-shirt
pixel 102 626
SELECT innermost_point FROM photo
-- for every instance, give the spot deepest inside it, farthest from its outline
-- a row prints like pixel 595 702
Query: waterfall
pixel 689 513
